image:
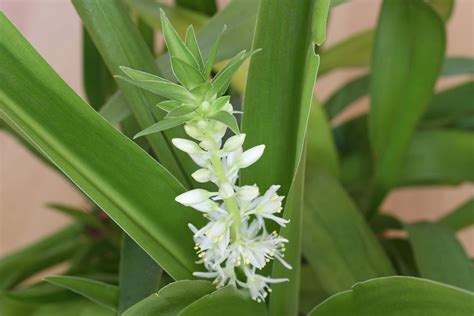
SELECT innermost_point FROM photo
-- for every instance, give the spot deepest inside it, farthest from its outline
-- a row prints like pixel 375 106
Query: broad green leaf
pixel 163 125
pixel 139 274
pixel 121 45
pixel 404 71
pixel 311 293
pixel 449 106
pixel 382 222
pixel 208 7
pixel 320 17
pixel 398 296
pixel 401 255
pixel 224 302
pixel 116 109
pixel 337 241
pixel 171 299
pixel 97 81
pixel 73 307
pixel 461 217
pixel 189 76
pixel 438 156
pixel 115 173
pixel 355 51
pixel 175 44
pixel 228 119
pixel 103 294
pixel 44 253
pixel 439 255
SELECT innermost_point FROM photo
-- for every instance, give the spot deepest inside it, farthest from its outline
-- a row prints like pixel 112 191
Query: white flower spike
pixel 235 245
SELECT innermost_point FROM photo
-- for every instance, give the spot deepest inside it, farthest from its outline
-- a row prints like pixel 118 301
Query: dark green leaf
pixel 224 302
pixel 404 71
pixel 208 7
pixel 457 66
pixel 82 216
pixel 398 296
pixel 337 241
pixel 171 299
pixel 461 217
pixel 439 255
pixel 401 254
pixel 103 294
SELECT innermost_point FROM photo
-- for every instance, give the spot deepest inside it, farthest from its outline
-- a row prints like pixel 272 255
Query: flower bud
pixel 251 155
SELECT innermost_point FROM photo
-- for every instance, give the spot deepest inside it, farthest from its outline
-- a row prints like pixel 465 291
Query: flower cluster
pixel 235 245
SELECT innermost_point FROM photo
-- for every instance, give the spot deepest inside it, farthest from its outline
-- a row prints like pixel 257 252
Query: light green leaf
pixel 439 255
pixel 460 218
pixel 115 173
pixel 430 159
pixel 337 241
pixel 443 7
pixel 228 119
pixel 211 60
pixel 175 44
pixel 320 17
pixel 401 84
pixel 398 296
pixel 458 65
pixel 82 216
pixel 224 302
pixel 183 110
pixel 116 109
pixel 163 125
pixel 171 299
pixel 169 105
pixel 189 76
pixel 101 293
pixel 192 44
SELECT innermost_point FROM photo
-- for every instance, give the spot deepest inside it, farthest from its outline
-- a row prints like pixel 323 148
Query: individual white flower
pixel 258 284
pixel 250 156
pixel 193 197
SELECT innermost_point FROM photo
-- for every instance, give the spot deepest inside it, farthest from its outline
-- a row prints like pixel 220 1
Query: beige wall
pixel 54 30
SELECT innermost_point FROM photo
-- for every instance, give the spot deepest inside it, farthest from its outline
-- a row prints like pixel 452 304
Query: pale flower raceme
pixel 235 245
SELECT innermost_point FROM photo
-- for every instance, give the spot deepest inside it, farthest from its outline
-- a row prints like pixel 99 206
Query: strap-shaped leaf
pixel 461 217
pixel 224 302
pixel 115 173
pixel 396 296
pixel 228 119
pixel 212 56
pixel 175 44
pixel 171 299
pixel 189 76
pixel 401 85
pixel 163 125
pixel 169 105
pixel 440 256
pixel 192 44
pixel 101 293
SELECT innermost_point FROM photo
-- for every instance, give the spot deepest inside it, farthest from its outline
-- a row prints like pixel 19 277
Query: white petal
pixel 202 175
pixel 187 146
pixel 234 142
pixel 250 156
pixel 226 191
pixel 193 197
pixel 248 192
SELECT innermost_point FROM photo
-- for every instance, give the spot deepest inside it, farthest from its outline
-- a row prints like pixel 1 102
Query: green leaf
pixel 397 296
pixel 44 253
pixel 183 110
pixel 175 44
pixel 208 7
pixel 139 274
pixel 156 85
pixel 460 218
pixel 116 109
pixel 211 60
pixel 163 125
pixel 443 7
pixel 402 84
pixel 121 44
pixel 115 173
pixel 352 52
pixel 227 119
pixel 457 66
pixel 401 254
pixel 81 216
pixel 224 302
pixel 430 159
pixel 189 76
pixel 171 299
pixel 449 106
pixel 101 293
pixel 439 255
pixel 97 81
pixel 311 293
pixel 337 241
pixel 192 44
pixel 320 17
